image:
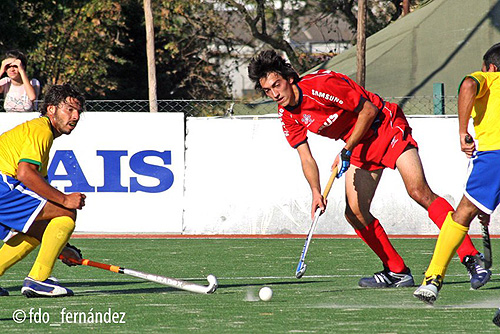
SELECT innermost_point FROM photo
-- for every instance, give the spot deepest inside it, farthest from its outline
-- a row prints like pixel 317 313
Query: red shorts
pixel 389 141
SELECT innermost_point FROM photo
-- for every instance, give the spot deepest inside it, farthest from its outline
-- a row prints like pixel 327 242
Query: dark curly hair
pixel 58 94
pixel 269 62
pixel 492 56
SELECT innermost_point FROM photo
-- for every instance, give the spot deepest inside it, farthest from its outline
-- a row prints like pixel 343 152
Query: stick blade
pixel 301 270
pixel 212 284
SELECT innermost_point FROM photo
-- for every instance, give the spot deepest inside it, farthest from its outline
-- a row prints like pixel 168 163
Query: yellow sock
pixel 450 238
pixel 54 239
pixel 16 249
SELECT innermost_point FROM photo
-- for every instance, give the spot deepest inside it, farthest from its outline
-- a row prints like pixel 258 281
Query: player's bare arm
pixel 367 114
pixel 311 172
pixel 3 68
pixel 466 99
pixel 28 174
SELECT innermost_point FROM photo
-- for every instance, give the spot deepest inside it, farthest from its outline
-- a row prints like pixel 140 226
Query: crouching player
pixel 31 210
pixel 479 96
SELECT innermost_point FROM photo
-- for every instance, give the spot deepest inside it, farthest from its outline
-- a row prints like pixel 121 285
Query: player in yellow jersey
pixel 31 210
pixel 479 97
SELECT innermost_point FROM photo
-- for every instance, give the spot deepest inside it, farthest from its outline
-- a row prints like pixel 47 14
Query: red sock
pixel 438 210
pixel 375 237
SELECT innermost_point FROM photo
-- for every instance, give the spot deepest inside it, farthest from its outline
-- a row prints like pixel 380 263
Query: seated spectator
pixel 20 93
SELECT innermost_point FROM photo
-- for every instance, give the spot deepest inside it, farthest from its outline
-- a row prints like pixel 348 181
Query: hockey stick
pixel 487 260
pixel 301 268
pixel 172 282
pixel 486 247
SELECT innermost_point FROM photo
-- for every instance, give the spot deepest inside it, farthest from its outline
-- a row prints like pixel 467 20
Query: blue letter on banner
pixel 139 166
pixel 74 172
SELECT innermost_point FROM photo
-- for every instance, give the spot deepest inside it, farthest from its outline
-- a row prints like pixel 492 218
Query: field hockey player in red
pixel 376 135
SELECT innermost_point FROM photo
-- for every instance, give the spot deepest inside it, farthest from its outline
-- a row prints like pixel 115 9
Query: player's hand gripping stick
pixel 301 268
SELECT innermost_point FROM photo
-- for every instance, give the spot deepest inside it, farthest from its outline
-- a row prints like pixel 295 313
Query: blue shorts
pixel 19 206
pixel 483 183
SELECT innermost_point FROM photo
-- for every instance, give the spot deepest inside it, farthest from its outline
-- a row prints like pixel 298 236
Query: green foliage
pixel 100 46
pixel 190 63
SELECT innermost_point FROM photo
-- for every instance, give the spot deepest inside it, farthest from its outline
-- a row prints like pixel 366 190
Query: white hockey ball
pixel 266 293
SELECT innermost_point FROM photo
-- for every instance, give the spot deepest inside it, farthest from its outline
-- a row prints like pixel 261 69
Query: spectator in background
pixel 20 93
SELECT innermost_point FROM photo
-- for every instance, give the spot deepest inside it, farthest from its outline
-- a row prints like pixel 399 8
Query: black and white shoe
pixel 3 292
pixel 388 279
pixel 478 275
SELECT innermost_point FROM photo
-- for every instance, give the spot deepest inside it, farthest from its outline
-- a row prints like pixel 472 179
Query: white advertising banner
pixel 242 177
pixel 229 176
pixel 129 165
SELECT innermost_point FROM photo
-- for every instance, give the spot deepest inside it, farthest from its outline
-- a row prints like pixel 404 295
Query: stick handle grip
pixel 330 182
pixel 99 265
pixel 115 269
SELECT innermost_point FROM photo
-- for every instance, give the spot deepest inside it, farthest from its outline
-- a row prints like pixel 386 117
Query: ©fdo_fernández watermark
pixel 67 316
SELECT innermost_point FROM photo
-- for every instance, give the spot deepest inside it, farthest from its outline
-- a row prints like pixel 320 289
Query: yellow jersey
pixel 486 110
pixel 28 142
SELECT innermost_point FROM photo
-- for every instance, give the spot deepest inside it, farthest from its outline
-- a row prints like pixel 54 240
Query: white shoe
pixel 48 288
pixel 429 290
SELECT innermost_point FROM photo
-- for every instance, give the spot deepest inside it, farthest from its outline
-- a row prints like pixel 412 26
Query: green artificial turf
pixel 326 300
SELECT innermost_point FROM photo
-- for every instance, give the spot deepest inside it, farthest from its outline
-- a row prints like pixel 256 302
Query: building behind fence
pixel 412 105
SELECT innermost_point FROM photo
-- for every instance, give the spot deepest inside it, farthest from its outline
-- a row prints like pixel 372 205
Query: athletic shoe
pixel 478 275
pixel 388 279
pixel 496 318
pixel 52 280
pixel 3 292
pixel 429 290
pixel 48 288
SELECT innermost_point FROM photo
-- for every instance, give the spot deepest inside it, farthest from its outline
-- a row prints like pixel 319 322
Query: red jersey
pixel 327 105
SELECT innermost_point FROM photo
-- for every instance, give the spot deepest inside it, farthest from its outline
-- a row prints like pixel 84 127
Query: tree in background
pixel 188 39
pixel 188 65
pixel 266 20
pixel 272 23
pixel 380 13
pixel 64 40
pixel 14 25
pixel 100 44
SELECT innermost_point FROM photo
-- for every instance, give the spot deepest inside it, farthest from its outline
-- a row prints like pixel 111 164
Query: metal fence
pixel 412 105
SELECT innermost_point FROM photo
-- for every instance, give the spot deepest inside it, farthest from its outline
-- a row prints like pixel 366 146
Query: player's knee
pixel 71 214
pixel 421 195
pixel 65 222
pixel 352 216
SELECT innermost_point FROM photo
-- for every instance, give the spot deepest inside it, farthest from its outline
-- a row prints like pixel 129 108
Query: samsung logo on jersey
pixel 327 96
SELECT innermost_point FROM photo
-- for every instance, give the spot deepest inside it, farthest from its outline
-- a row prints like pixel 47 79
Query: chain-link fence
pixel 412 105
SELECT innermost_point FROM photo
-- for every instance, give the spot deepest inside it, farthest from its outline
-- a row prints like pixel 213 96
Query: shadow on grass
pixel 86 284
pixel 159 289
pixel 267 283
pixel 486 287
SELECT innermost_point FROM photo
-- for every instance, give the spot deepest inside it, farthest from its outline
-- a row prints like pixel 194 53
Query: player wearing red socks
pixel 376 135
